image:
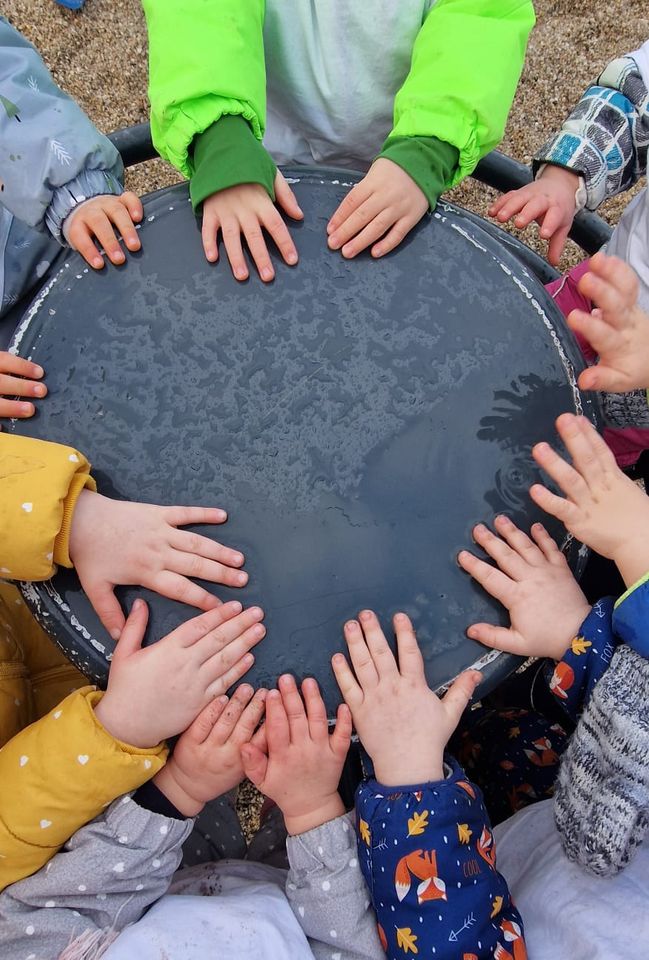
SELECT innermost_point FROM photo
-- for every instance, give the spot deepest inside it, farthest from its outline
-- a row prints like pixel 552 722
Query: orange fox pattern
pixel 429 858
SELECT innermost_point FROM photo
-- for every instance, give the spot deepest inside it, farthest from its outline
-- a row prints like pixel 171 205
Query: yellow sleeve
pixel 56 776
pixel 39 486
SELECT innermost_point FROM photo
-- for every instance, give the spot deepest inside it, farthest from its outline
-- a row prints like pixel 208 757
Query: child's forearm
pixel 429 858
pixel 328 895
pixel 109 873
pixel 64 158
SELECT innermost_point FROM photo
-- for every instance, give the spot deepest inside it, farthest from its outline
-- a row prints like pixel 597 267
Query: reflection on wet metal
pixel 354 418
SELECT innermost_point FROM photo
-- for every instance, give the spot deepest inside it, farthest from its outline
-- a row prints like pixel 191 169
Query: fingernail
pixel 240 274
pixel 256 612
pixel 40 390
pixel 236 605
pixel 98 263
pixel 238 558
pixel 259 630
pixel 115 634
pixel 351 625
pixel 223 698
pixel 221 514
pixel 248 658
pixel 241 579
pixel 27 408
pixel 38 371
pixel 267 274
pixel 291 259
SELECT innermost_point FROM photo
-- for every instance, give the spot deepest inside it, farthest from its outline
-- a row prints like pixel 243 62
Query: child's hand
pixel 603 508
pixel 246 209
pixel 533 581
pixel 206 761
pixel 17 378
pixel 303 764
pixel 386 201
pixel 550 201
pixel 98 220
pixel 155 692
pixel 401 723
pixel 114 542
pixel 618 330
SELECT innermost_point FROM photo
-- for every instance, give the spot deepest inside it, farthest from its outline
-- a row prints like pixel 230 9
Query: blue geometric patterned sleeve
pixel 429 860
pixel 605 138
pixel 586 660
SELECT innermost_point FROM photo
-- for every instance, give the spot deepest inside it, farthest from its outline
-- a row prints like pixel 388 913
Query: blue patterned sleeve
pixel 429 860
pixel 605 138
pixel 586 660
pixel 51 156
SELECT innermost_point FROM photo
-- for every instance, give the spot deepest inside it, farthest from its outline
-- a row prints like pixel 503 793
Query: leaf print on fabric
pixel 422 865
pixel 382 937
pixel 32 83
pixel 60 152
pixel 364 830
pixel 467 787
pixel 580 645
pixel 497 907
pixel 406 939
pixel 10 108
pixel 417 823
pixel 464 834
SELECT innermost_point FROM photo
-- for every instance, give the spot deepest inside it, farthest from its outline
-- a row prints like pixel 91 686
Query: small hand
pixel 114 542
pixel 617 329
pixel 155 692
pixel 99 220
pixel 533 581
pixel 550 200
pixel 17 378
pixel 386 204
pixel 244 210
pixel 603 507
pixel 303 764
pixel 401 723
pixel 206 761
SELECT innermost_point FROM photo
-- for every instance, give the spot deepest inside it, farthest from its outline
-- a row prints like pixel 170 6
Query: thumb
pixel 255 764
pixel 286 199
pixel 106 606
pixel 131 637
pixel 456 700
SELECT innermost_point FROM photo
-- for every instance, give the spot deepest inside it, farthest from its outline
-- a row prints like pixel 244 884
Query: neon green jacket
pixel 207 60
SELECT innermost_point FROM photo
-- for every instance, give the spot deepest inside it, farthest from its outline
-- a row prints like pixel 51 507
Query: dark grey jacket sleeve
pixel 104 878
pixel 328 895
pixel 51 155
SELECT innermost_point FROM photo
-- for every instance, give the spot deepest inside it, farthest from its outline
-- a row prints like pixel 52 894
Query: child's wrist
pixel 397 775
pixel 112 720
pixel 322 811
pixel 167 783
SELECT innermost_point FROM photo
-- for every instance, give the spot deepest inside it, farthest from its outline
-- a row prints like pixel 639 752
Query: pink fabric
pixel 627 443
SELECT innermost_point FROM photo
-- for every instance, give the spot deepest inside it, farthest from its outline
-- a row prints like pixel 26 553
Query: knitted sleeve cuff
pixel 89 184
pixel 227 154
pixel 430 162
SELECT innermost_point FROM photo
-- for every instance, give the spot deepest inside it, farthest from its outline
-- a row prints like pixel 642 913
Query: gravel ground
pixel 99 57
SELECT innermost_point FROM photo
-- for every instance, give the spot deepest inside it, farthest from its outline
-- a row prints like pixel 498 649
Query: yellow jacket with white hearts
pixel 57 775
pixel 45 798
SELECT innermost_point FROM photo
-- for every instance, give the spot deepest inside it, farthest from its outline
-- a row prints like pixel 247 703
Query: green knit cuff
pixel 430 162
pixel 225 155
